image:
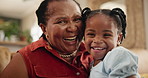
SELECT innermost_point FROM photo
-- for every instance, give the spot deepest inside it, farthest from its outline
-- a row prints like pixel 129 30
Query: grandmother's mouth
pixel 70 38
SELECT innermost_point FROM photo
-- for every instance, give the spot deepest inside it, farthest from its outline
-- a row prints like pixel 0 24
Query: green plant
pixel 25 36
pixel 10 28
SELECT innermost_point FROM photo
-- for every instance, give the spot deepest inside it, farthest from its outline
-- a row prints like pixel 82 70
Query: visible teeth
pixel 98 48
pixel 71 38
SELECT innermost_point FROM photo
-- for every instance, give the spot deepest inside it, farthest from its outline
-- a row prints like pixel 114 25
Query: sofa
pixel 142 62
pixel 5 57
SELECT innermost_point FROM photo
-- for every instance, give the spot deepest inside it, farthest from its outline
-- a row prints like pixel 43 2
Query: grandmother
pixel 59 53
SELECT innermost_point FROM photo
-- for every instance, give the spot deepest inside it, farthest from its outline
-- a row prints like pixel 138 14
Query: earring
pixel 46 36
pixel 118 42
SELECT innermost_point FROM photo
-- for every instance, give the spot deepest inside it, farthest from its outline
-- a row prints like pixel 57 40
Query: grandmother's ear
pixel 42 27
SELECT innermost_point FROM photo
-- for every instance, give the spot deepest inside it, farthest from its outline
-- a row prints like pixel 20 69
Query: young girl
pixel 105 30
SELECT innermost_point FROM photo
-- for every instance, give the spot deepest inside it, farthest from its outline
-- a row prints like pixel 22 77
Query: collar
pixel 43 43
pixel 40 43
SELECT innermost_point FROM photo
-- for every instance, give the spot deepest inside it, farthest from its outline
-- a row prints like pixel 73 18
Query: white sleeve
pixel 120 63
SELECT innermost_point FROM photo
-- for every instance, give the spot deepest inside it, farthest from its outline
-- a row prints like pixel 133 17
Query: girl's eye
pixel 107 35
pixel 90 34
pixel 78 20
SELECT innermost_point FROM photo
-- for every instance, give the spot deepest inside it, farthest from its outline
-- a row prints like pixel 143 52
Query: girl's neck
pixel 96 62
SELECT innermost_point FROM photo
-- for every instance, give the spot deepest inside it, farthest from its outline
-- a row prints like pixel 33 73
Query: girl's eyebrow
pixel 108 31
pixel 90 30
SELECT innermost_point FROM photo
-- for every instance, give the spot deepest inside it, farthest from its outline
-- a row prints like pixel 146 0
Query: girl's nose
pixel 98 40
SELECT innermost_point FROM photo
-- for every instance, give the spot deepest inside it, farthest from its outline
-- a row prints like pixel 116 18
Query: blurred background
pixel 18 23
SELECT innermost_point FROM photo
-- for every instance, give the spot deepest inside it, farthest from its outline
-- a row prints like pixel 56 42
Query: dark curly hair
pixel 117 14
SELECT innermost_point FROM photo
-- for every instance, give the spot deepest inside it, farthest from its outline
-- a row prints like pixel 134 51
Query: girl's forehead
pixel 100 20
pixel 99 17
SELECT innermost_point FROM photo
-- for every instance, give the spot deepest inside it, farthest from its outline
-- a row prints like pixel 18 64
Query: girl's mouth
pixel 97 49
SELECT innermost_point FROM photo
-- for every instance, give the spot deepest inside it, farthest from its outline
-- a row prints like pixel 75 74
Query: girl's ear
pixel 43 27
pixel 119 38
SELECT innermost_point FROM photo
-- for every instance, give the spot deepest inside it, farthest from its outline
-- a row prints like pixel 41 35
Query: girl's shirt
pixel 118 63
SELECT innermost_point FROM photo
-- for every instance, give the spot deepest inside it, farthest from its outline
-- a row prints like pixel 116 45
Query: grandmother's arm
pixel 15 69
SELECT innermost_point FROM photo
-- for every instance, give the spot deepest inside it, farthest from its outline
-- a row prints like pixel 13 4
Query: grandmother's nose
pixel 72 27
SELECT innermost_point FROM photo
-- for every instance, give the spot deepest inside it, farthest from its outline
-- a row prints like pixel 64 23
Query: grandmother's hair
pixel 117 14
pixel 42 15
pixel 42 9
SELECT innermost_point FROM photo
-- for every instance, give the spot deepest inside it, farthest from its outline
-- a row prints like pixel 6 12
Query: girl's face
pixel 100 35
pixel 63 26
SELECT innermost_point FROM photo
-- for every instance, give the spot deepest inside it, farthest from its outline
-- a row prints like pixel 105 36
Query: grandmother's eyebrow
pixel 58 18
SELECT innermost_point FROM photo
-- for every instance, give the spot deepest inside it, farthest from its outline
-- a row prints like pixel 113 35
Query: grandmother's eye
pixel 61 22
pixel 78 19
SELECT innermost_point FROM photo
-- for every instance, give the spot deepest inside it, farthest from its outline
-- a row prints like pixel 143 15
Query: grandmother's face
pixel 64 26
